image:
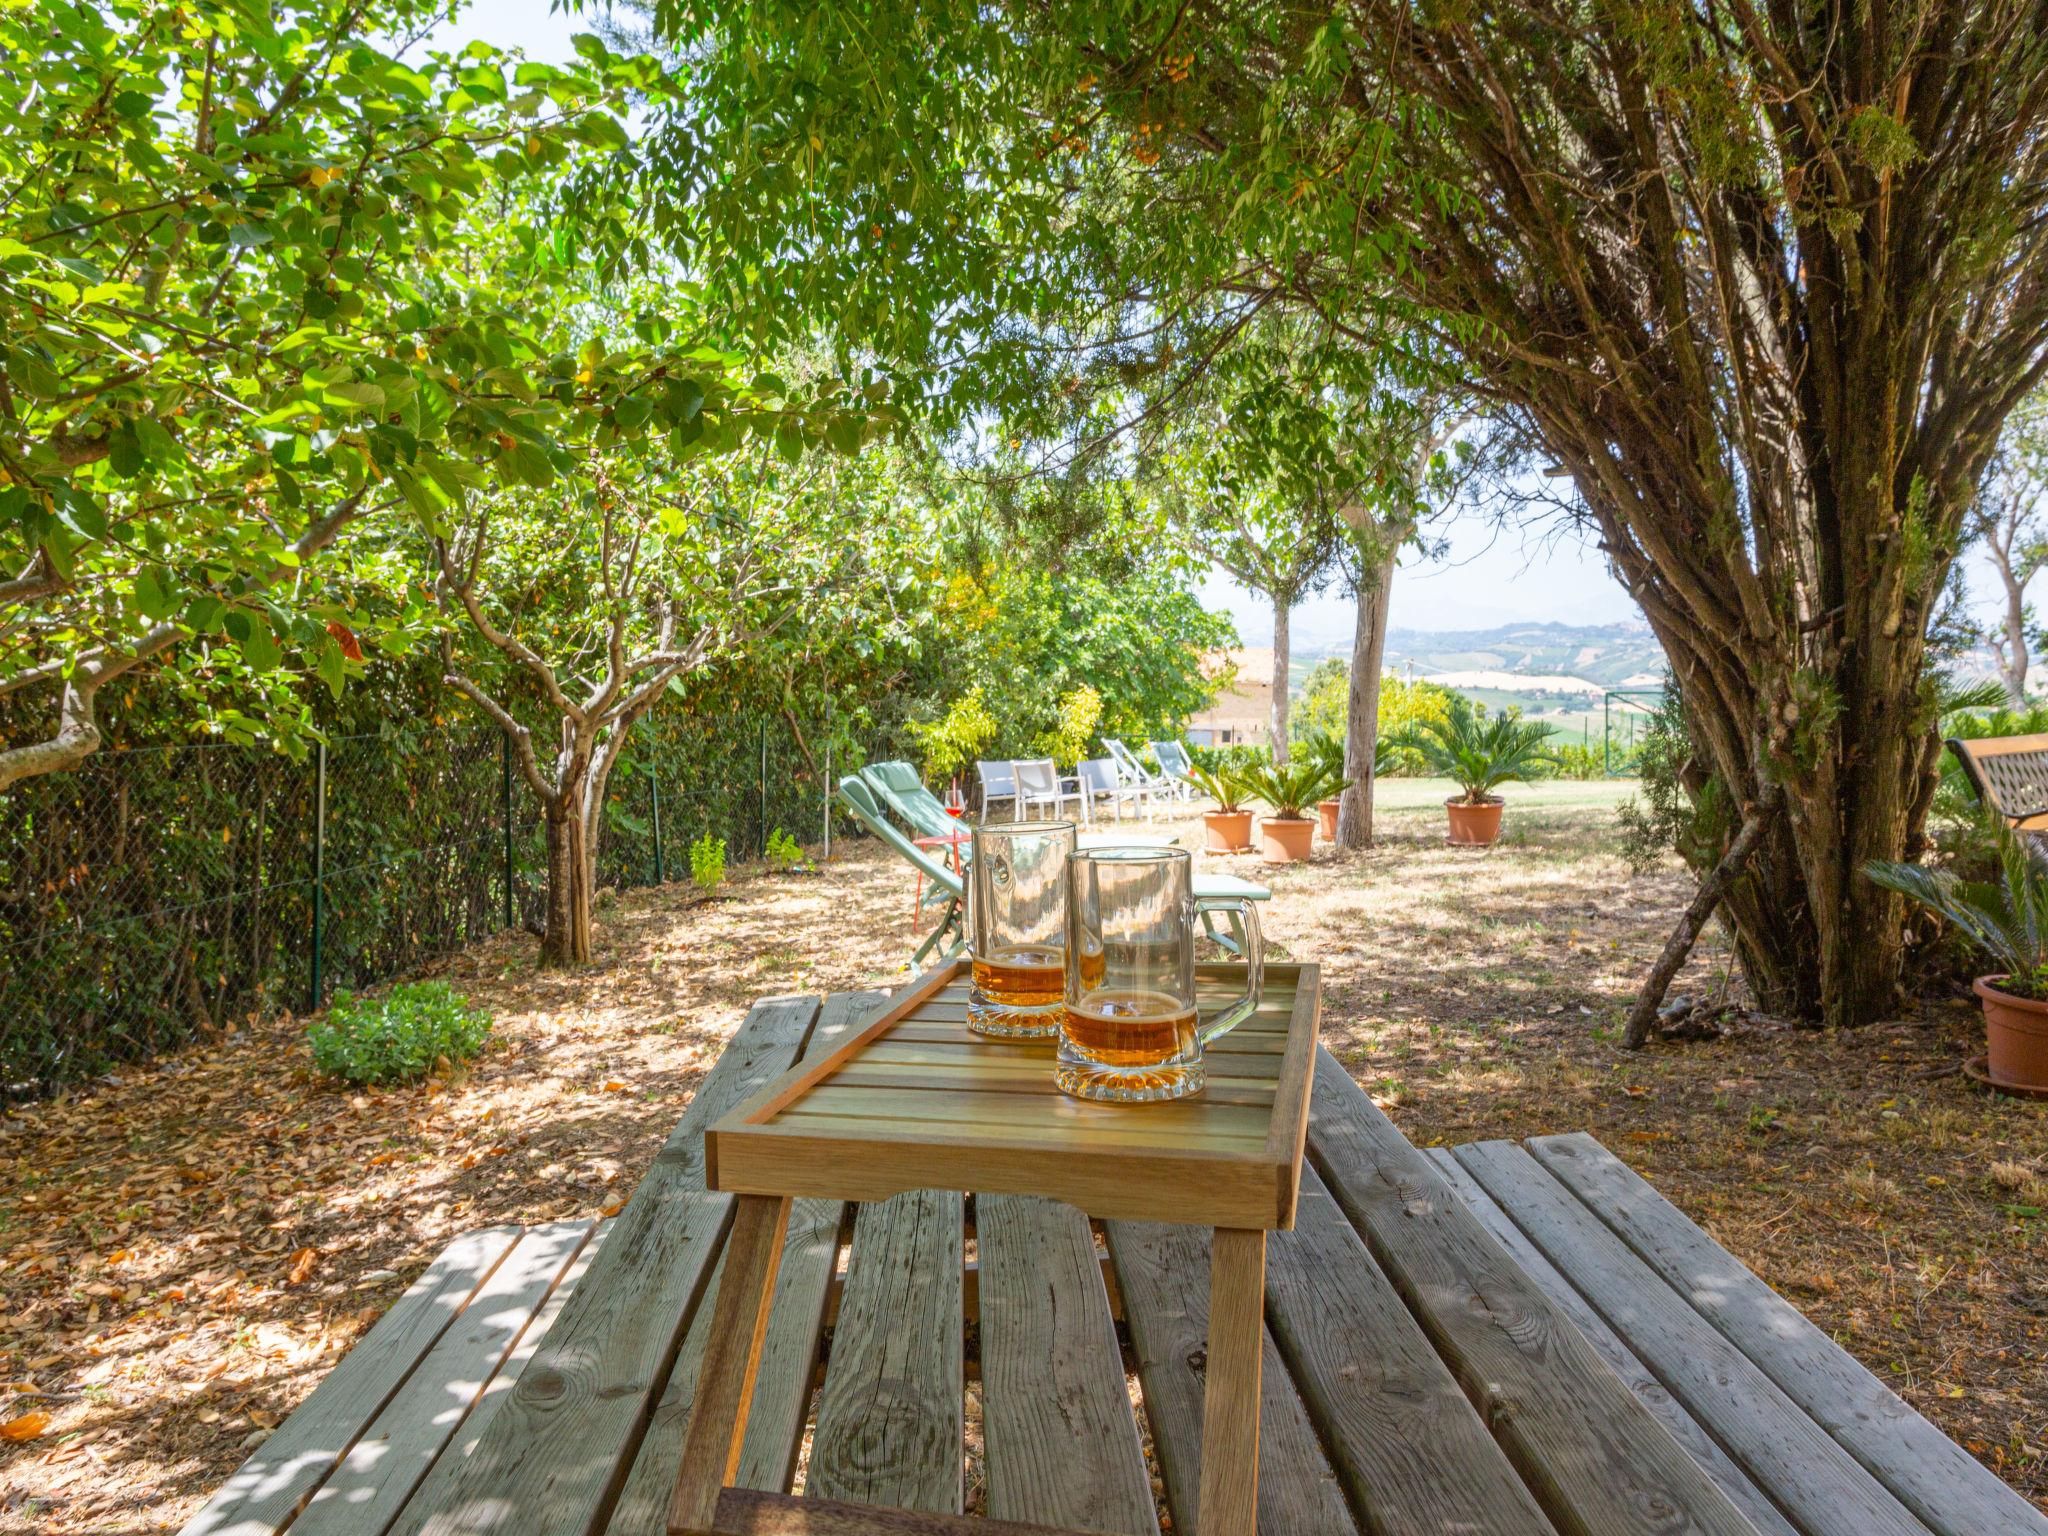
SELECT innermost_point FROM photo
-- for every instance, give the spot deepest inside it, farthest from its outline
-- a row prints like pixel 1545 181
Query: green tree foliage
pixel 266 283
pixel 1775 382
pixel 1028 639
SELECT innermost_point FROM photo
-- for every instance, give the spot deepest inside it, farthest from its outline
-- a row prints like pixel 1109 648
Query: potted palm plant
pixel 1230 824
pixel 1288 834
pixel 1479 756
pixel 1328 750
pixel 2007 919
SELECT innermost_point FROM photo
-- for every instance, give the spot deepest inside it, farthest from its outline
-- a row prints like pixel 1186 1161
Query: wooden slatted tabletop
pixel 915 1100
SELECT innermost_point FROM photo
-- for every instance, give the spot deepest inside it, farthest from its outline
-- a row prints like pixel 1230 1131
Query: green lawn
pixel 1547 794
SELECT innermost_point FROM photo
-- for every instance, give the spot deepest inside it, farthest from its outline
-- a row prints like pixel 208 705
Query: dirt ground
pixel 184 1251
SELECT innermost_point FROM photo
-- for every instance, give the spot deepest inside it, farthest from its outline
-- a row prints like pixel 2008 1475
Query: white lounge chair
pixel 1174 763
pixel 1134 773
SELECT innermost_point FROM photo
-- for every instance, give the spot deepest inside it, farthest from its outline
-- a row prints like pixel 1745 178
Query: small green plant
pixel 399 1037
pixel 2006 918
pixel 1480 755
pixel 707 861
pixel 784 851
pixel 1290 788
pixel 1223 785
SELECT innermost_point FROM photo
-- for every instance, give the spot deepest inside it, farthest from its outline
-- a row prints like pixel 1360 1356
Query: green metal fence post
pixel 505 814
pixel 828 797
pixel 1607 734
pixel 319 871
pixel 654 798
pixel 764 789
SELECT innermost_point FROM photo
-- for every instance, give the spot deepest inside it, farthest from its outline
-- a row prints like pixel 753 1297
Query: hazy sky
pixel 1485 578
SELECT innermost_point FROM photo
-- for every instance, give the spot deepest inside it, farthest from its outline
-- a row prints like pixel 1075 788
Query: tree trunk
pixel 2012 659
pixel 1374 593
pixel 565 940
pixel 1282 617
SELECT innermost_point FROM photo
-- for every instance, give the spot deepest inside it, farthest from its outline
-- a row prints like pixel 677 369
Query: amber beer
pixel 1017 927
pixel 1129 1029
pixel 1031 975
pixel 1144 1034
pixel 1023 975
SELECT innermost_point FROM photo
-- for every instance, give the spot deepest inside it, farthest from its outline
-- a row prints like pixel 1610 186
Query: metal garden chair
pixel 998 782
pixel 1039 786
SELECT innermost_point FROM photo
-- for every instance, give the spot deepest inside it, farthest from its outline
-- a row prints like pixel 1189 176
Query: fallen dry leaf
pixel 27 1427
pixel 302 1266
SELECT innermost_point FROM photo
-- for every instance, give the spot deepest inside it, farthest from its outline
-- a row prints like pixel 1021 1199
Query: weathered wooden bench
pixel 1495 1338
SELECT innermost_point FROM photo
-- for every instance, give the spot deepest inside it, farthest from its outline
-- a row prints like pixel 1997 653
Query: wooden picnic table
pixel 1497 1338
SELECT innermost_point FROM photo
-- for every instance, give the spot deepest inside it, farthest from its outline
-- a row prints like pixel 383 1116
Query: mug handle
pixel 1254 962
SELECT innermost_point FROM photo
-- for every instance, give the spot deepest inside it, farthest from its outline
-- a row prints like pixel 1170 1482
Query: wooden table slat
pixel 890 1426
pixel 782 1386
pixel 366 1492
pixel 555 1455
pixel 1589 1451
pixel 430 1493
pixel 1060 1438
pixel 1699 1445
pixel 1814 1481
pixel 271 1485
pixel 1410 1451
pixel 1947 1487
pixel 1162 1274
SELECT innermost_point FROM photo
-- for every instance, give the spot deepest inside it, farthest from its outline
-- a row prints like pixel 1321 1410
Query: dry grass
pixel 148 1229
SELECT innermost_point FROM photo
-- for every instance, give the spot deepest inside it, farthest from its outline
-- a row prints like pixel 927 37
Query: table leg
pixel 1230 1404
pixel 732 1353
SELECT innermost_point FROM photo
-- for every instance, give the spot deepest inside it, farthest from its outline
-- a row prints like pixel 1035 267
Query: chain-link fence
pixel 157 895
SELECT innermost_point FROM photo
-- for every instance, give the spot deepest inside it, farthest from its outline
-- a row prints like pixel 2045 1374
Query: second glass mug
pixel 1130 1032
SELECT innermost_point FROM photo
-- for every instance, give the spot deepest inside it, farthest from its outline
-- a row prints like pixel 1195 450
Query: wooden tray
pixel 915 1100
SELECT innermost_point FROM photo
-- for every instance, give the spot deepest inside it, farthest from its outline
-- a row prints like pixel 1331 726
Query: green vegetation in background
pixel 398 1037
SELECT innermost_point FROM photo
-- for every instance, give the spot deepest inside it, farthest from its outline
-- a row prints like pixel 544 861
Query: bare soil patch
pixel 184 1251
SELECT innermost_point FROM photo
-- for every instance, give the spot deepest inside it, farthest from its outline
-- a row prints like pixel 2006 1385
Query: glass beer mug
pixel 1129 1033
pixel 1016 927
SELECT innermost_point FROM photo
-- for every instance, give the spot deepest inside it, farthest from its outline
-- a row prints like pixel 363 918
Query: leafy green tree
pixel 245 318
pixel 1767 295
pixel 596 599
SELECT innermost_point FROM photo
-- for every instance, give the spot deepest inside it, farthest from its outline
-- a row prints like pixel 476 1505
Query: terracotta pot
pixel 1285 839
pixel 1326 819
pixel 2015 1037
pixel 1475 825
pixel 1229 831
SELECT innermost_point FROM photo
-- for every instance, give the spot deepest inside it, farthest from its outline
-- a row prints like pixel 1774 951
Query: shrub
pixel 707 861
pixel 1231 759
pixel 1576 760
pixel 399 1037
pixel 784 851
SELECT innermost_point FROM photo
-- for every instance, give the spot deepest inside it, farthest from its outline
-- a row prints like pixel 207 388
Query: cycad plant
pixel 2006 918
pixel 1291 787
pixel 1221 784
pixel 1477 755
pixel 1327 748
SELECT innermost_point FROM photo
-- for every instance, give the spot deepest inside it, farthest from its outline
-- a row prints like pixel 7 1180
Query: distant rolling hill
pixel 1534 658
